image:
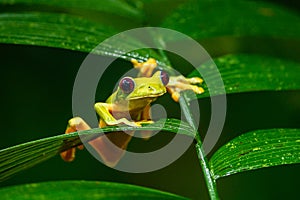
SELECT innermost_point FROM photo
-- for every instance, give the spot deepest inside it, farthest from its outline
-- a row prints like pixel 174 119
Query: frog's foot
pixel 144 122
pixel 180 83
pixel 74 124
pixel 146 68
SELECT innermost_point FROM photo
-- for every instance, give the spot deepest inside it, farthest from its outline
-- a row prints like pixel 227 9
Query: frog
pixel 130 105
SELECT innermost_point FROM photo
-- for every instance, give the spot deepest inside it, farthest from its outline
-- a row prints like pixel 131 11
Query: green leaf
pixel 115 7
pixel 82 190
pixel 255 150
pixel 69 32
pixel 210 182
pixel 52 30
pixel 213 18
pixel 249 73
pixel 20 157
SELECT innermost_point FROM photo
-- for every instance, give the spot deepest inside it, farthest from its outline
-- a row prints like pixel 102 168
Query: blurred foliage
pixel 82 190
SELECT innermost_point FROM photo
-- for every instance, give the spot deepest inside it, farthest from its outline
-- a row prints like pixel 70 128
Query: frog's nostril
pixel 150 88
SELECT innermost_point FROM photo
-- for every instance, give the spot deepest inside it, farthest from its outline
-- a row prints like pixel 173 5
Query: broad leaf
pixel 213 18
pixel 87 7
pixel 68 32
pixel 248 73
pixel 24 156
pixel 255 150
pixel 82 190
pixel 52 30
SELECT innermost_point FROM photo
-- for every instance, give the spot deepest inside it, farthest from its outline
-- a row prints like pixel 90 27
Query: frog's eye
pixel 164 77
pixel 127 85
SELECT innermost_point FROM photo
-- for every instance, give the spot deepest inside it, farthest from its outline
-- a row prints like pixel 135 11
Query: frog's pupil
pixel 127 85
pixel 164 77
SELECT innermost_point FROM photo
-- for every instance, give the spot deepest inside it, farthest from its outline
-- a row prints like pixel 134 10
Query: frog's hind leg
pixel 74 124
pixel 145 118
pixel 111 147
pixel 145 68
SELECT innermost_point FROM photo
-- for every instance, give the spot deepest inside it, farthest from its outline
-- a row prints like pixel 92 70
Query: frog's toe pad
pixel 194 80
pixel 197 90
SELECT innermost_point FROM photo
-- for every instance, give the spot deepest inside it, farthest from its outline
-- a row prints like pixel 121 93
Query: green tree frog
pixel 130 105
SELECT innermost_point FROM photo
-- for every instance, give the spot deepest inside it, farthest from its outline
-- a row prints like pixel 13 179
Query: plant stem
pixel 184 104
pixel 210 181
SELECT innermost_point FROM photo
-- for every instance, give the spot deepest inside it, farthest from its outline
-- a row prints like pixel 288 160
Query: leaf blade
pixel 20 157
pixel 255 150
pixel 69 32
pixel 116 7
pixel 82 190
pixel 249 73
pixel 239 18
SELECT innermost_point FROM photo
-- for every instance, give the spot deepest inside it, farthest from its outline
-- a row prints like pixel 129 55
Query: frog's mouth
pixel 151 96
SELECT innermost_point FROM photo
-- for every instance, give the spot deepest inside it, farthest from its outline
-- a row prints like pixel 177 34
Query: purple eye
pixel 164 77
pixel 127 85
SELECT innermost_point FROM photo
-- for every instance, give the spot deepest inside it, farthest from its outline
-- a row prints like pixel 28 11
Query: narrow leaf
pixel 82 190
pixel 20 157
pixel 248 73
pixel 255 150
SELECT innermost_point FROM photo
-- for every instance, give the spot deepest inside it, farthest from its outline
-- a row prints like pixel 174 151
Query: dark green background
pixel 36 88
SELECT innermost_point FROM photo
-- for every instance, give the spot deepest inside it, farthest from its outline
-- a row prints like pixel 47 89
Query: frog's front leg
pixel 104 110
pixel 176 83
pixel 180 83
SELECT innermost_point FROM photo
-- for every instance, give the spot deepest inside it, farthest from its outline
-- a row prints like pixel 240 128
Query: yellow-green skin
pixel 131 109
pixel 146 90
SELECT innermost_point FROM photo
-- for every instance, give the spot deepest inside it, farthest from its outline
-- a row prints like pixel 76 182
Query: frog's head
pixel 138 88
